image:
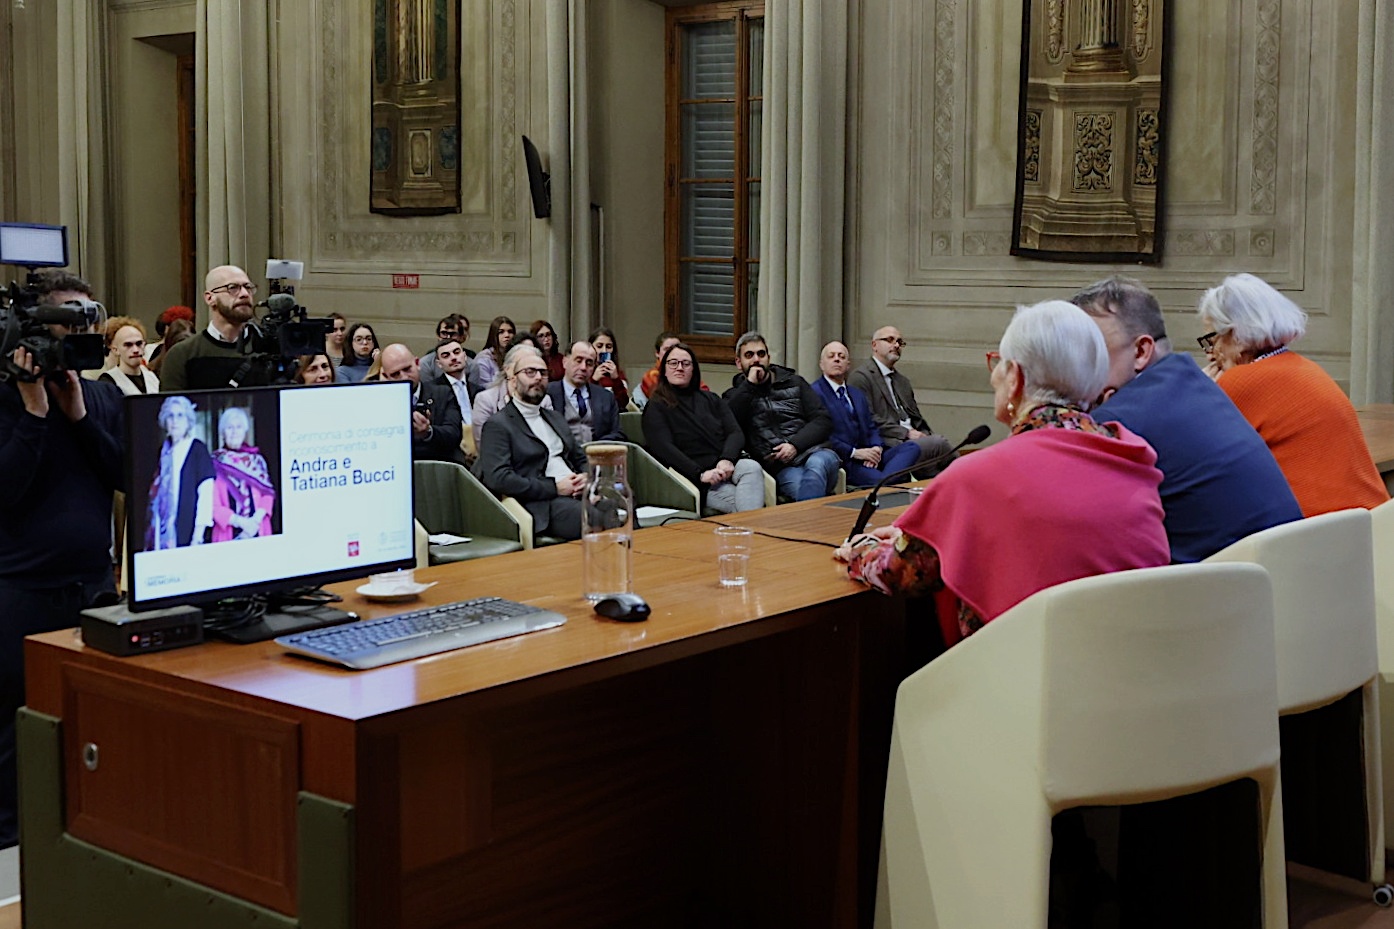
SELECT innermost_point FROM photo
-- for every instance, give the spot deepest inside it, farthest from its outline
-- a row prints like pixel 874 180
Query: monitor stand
pixel 283 618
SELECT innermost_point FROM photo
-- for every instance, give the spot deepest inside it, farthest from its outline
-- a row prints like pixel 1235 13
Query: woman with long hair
pixel 489 361
pixel 243 494
pixel 360 351
pixel 694 432
pixel 181 494
pixel 549 344
pixel 608 373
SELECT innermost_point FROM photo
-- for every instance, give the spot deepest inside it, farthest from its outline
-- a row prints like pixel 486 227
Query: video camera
pixel 285 331
pixel 26 323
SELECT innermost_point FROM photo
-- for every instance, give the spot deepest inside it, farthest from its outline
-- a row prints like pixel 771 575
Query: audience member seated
pixel 450 359
pixel 448 329
pixel 162 324
pixel 591 413
pixel 313 370
pixel 1062 497
pixel 784 422
pixel 893 404
pixel 1219 480
pixel 334 338
pixel 549 344
pixel 436 429
pixel 527 452
pixel 177 331
pixel 243 494
pixel 202 359
pixel 130 374
pixel 855 437
pixel 1303 415
pixel 644 391
pixel 608 373
pixel 495 397
pixel 488 363
pixel 693 431
pixel 362 351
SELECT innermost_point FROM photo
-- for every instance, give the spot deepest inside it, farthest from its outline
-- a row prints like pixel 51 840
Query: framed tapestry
pixel 416 107
pixel 1090 131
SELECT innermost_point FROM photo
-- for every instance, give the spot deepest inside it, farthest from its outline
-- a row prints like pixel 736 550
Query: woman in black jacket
pixel 693 432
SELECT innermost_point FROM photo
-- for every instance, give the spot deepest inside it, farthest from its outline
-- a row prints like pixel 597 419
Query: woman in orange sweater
pixel 1303 415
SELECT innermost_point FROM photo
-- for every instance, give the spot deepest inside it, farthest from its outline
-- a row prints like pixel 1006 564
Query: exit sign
pixel 406 281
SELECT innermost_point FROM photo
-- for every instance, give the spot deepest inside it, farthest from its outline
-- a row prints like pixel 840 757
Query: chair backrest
pixel 632 425
pixel 1323 604
pixel 447 498
pixel 655 485
pixel 1125 687
pixel 1382 534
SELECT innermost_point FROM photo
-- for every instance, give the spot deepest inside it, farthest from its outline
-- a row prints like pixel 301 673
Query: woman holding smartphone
pixel 608 373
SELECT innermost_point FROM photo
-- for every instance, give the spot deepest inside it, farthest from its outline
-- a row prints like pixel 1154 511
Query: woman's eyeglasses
pixel 678 365
pixel 993 360
pixel 1207 341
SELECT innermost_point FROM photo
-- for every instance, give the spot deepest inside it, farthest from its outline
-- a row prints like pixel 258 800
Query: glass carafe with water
pixel 607 522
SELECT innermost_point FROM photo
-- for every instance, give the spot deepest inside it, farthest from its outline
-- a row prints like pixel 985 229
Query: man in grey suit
pixel 893 404
pixel 528 453
pixel 590 410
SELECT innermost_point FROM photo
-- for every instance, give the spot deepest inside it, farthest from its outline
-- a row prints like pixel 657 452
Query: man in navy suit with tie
pixel 591 412
pixel 855 436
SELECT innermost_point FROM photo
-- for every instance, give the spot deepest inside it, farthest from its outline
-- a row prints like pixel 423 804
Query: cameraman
pixel 61 457
pixel 231 299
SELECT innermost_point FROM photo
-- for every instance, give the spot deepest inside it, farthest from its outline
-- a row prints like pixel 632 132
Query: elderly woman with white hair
pixel 243 494
pixel 1303 415
pixel 181 494
pixel 1062 497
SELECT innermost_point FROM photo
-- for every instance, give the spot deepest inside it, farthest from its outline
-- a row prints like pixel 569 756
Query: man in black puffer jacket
pixel 785 423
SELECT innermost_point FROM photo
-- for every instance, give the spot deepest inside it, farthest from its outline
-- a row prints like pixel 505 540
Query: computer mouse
pixel 626 608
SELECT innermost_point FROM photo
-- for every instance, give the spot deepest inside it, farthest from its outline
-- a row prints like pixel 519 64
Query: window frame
pixel 710 348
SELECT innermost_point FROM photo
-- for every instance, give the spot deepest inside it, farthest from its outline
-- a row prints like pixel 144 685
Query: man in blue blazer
pixel 855 437
pixel 590 410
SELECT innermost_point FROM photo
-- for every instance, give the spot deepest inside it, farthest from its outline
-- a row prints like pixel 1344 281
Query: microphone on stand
pixel 872 501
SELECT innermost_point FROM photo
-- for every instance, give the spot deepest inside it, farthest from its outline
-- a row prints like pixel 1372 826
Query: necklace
pixel 1270 353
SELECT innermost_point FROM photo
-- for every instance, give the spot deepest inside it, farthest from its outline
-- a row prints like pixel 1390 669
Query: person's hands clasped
pixel 784 451
pixel 871 457
pixel 571 485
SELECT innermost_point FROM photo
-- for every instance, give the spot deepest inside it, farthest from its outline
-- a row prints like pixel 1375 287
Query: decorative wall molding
pixel 945 43
pixel 1093 160
pixel 1055 30
pixel 1149 148
pixel 979 244
pixel 1267 55
pixel 1142 29
pixel 1261 242
pixel 1031 158
pixel 1208 243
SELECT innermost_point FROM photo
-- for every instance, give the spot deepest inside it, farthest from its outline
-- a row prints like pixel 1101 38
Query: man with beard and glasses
pixel 213 356
pixel 527 452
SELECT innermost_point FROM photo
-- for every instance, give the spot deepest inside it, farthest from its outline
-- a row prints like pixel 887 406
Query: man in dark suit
pixel 591 412
pixel 528 453
pixel 436 422
pixel 855 437
pixel 893 404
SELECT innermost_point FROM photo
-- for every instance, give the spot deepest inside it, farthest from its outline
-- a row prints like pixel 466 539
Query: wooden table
pixel 1377 422
pixel 720 764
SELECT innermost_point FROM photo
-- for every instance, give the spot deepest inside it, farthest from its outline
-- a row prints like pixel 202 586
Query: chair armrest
pixel 522 517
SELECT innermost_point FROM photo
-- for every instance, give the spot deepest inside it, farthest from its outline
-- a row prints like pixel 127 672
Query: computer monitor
pixel 246 491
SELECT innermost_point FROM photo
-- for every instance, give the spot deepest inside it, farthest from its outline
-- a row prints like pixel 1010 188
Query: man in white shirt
pixel 527 452
pixel 590 410
pixel 436 430
pixel 893 404
pixel 454 364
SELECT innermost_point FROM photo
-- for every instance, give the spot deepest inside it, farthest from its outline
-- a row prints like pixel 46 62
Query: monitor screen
pixel 253 490
pixel 32 245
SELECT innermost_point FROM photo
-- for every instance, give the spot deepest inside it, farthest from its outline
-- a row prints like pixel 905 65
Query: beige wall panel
pixel 626 59
pixel 490 259
pixel 1259 179
pixel 145 143
pixel 994 52
pixel 1202 101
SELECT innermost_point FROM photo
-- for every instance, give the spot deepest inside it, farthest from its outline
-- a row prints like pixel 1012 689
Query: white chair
pixel 1324 612
pixel 1382 526
pixel 1118 689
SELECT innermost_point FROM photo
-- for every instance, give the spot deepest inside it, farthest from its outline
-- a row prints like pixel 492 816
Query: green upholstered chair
pixel 655 485
pixel 449 499
pixel 632 425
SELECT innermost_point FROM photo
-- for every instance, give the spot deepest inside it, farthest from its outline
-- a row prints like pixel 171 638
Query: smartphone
pixel 606 356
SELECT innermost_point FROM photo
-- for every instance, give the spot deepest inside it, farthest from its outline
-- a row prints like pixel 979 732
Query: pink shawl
pixel 1038 509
